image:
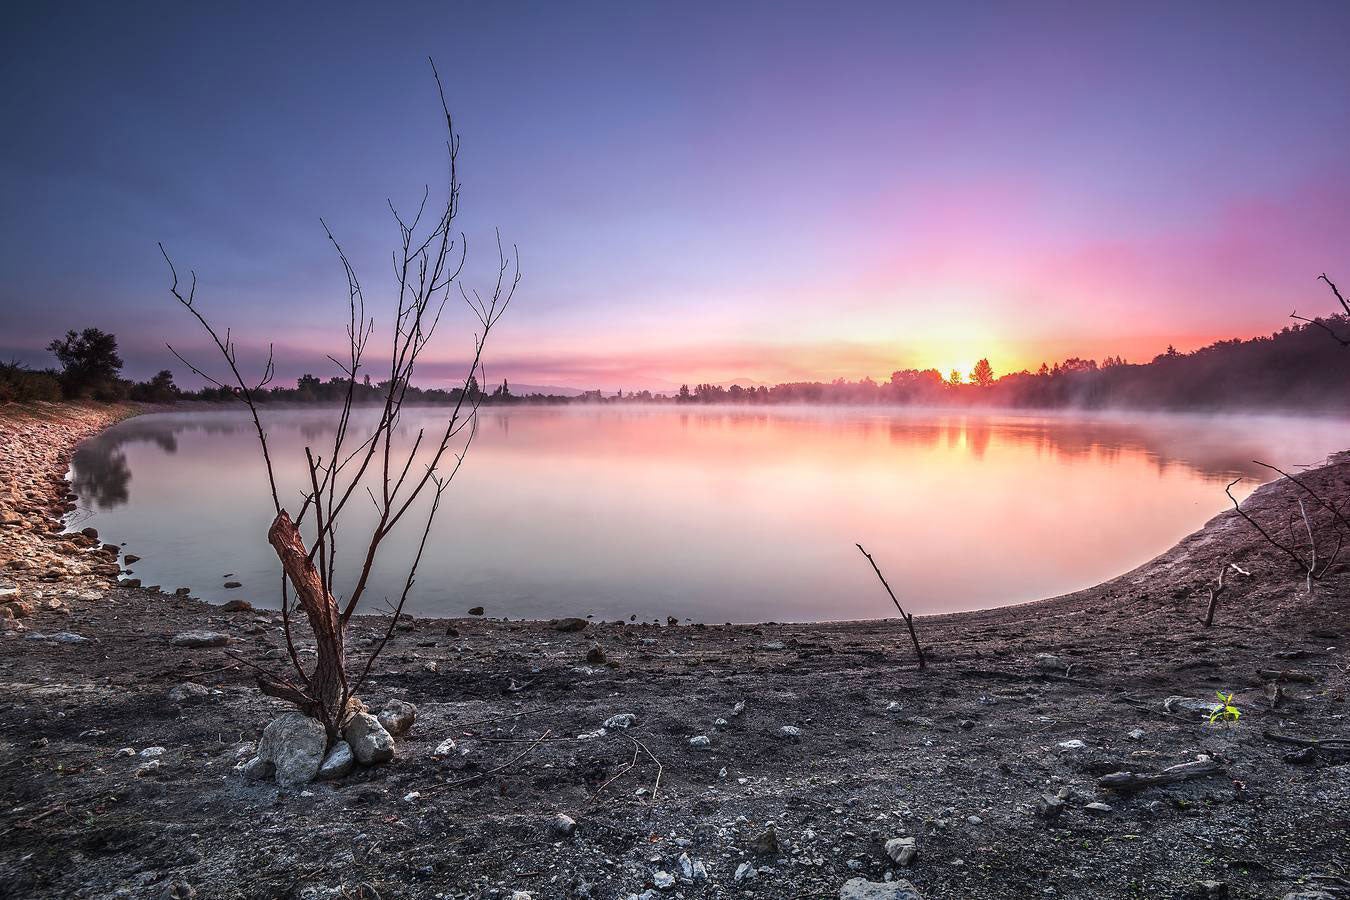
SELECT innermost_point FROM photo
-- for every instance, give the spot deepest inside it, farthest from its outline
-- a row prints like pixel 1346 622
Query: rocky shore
pixel 1061 749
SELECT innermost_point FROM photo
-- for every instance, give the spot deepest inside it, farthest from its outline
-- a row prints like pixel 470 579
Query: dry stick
pixel 619 774
pixel 1214 592
pixel 656 786
pixel 909 619
pixel 506 765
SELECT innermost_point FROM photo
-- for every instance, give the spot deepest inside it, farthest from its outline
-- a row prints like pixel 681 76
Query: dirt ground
pixel 990 759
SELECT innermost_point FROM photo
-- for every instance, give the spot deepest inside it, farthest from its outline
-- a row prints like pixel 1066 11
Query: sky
pixel 699 191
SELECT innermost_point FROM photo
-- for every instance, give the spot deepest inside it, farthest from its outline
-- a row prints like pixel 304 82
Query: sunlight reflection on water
pixel 710 513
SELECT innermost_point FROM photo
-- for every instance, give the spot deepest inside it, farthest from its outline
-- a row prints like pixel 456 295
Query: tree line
pixel 1283 370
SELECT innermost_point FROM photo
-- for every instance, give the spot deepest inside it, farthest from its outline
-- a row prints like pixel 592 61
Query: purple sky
pixel 759 192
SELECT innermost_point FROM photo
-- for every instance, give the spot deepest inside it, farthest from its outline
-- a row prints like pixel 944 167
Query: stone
pixel 476 611
pixel 188 690
pixel 663 880
pixel 1072 745
pixel 562 826
pixel 902 850
pixel 570 624
pixel 790 733
pixel 701 742
pixel 456 756
pixel 1136 734
pixel 337 762
pixel 61 637
pixel 256 769
pixel 294 743
pixel 1098 807
pixel 151 752
pixel 237 606
pixel 766 842
pixel 231 585
pixel 198 639
pixel 370 742
pixel 1192 704
pixel 1050 663
pixel 21 609
pixel 91 533
pixel 131 558
pixel 621 720
pixel 596 655
pixel 398 716
pixel 862 889
pixel 745 872
pixel 692 869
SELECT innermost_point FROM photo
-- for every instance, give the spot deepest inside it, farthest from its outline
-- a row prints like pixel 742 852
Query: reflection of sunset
pixel 722 513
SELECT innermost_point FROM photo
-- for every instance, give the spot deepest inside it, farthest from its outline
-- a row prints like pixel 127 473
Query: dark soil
pixel 968 757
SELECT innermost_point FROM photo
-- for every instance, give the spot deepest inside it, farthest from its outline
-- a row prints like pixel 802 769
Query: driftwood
pixel 1338 748
pixel 1129 782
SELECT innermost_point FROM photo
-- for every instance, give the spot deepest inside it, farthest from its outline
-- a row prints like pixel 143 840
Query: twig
pixel 506 765
pixel 909 619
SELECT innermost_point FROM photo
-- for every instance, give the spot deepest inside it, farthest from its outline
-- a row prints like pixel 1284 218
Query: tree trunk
pixel 325 695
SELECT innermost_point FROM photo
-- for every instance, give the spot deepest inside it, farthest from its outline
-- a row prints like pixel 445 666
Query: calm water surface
pixel 712 514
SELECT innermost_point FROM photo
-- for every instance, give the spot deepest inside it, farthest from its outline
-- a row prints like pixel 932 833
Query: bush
pixel 20 384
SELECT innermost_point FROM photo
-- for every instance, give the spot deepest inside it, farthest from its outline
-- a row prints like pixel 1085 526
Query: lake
pixel 717 514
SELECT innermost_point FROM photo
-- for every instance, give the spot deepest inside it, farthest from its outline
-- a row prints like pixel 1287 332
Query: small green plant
pixel 1228 714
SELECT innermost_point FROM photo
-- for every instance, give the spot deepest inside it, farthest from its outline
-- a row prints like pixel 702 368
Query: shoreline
pixel 990 760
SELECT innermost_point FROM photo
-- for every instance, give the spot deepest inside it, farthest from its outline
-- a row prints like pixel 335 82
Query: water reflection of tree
pixel 100 475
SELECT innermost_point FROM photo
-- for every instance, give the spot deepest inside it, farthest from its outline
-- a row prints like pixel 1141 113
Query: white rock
pixel 562 825
pixel 621 720
pixel 701 742
pixel 294 743
pixel 398 716
pixel 902 850
pixel 337 762
pixel 151 752
pixel 745 872
pixel 663 880
pixel 370 742
pixel 862 889
pixel 1072 745
pixel 790 732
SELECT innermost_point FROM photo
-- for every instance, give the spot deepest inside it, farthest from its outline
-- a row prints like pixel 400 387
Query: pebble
pixel 902 850
pixel 621 720
pixel 790 732
pixel 701 742
pixel 562 825
pixel 1072 745
pixel 1098 807
pixel 663 880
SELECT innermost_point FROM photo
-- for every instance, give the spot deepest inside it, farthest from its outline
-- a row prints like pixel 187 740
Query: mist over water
pixel 708 513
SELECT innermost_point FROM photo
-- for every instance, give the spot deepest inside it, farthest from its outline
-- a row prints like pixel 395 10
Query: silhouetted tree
pixel 89 362
pixel 159 389
pixel 983 374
